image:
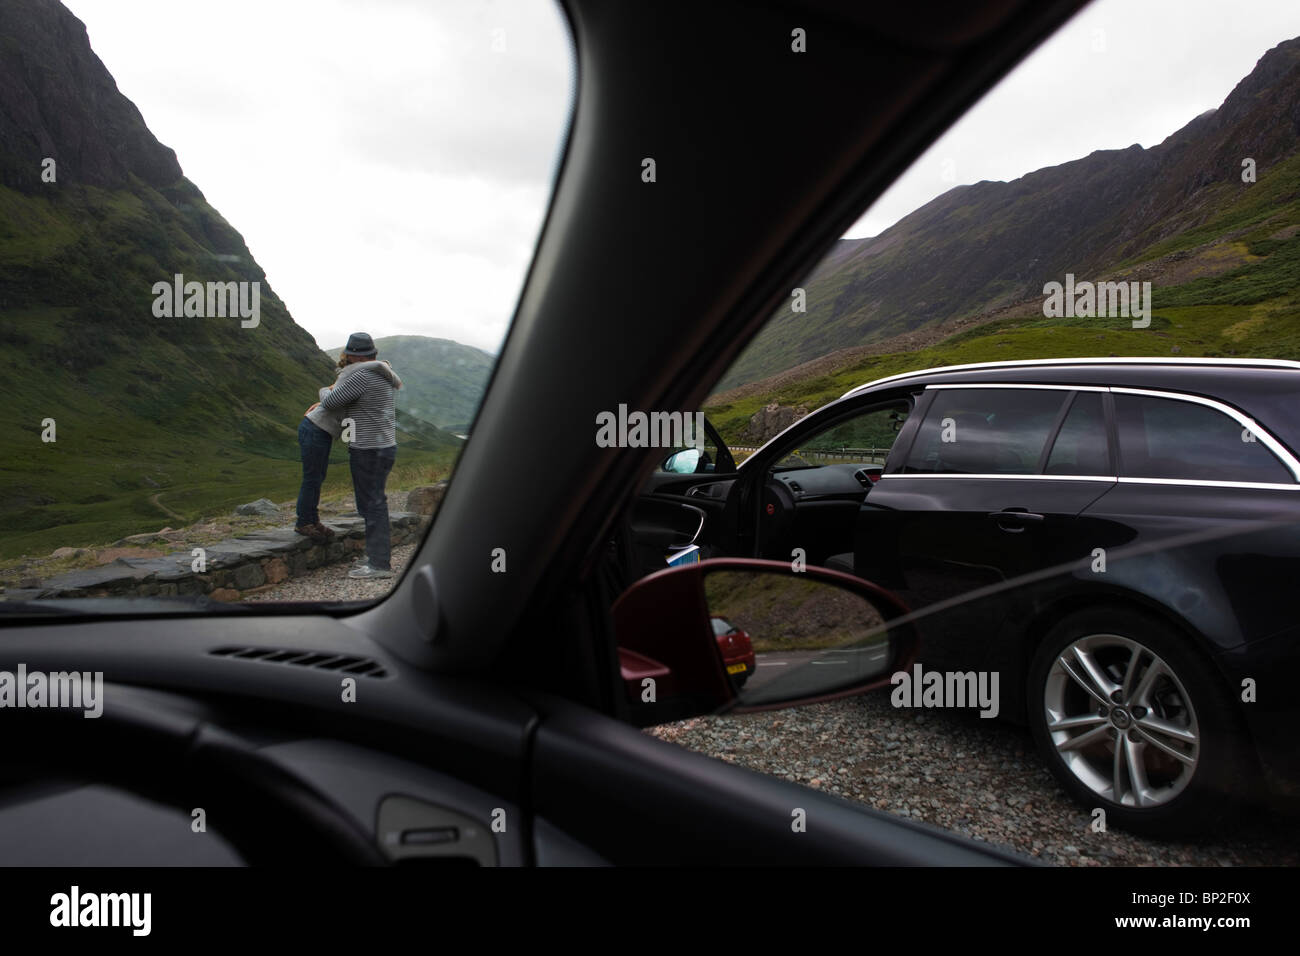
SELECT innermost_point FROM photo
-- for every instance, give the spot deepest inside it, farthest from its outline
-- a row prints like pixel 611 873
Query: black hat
pixel 360 343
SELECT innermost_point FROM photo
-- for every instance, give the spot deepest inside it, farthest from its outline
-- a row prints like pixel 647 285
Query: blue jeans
pixel 315 445
pixel 370 468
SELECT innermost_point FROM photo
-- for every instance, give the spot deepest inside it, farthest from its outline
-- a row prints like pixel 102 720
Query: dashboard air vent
pixel 342 663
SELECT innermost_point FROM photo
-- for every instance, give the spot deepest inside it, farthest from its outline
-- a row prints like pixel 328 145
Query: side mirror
pixel 742 635
pixel 683 462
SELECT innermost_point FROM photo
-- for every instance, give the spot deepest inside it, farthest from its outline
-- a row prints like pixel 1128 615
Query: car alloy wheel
pixel 1122 721
pixel 1132 717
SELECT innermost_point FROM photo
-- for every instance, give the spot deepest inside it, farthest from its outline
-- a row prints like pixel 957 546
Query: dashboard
pixel 828 481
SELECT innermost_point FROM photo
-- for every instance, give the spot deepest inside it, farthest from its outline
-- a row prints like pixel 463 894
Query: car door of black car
pixel 987 492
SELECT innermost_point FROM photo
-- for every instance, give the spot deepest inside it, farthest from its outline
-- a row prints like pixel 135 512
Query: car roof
pixel 1116 371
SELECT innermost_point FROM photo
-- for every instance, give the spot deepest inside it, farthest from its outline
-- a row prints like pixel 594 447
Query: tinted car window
pixel 1167 438
pixel 991 431
pixel 1081 446
pixel 863 439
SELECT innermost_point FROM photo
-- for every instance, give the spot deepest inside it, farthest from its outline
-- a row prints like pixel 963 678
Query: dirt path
pixel 154 500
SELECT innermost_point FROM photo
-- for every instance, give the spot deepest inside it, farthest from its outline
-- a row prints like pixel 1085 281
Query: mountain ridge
pixel 984 246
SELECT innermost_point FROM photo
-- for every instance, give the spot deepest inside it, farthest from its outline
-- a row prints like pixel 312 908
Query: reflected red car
pixel 736 647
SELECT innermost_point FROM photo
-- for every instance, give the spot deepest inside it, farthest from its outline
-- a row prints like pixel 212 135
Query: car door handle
pixel 1014 520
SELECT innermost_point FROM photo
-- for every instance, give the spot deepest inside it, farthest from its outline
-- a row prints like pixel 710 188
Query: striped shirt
pixel 365 395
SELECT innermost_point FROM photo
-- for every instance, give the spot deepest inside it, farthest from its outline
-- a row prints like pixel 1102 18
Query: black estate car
pixel 1116 538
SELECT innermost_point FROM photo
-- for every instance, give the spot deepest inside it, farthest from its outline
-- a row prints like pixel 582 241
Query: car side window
pixel 985 431
pixel 864 439
pixel 1169 438
pixel 1081 446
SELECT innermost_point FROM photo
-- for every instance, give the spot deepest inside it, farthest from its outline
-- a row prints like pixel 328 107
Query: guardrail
pixel 833 456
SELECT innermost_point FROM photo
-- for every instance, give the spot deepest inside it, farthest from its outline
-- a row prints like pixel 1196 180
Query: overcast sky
pixel 388 162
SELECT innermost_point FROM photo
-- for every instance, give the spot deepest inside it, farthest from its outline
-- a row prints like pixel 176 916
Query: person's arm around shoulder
pixel 344 393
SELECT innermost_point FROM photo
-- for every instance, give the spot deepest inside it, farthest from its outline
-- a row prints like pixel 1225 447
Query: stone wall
pixel 232 568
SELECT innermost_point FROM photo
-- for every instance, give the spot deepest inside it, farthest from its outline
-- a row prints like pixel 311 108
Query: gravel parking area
pixel 331 583
pixel 981 778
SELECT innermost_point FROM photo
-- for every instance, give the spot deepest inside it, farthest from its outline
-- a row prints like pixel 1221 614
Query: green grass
pixel 1254 209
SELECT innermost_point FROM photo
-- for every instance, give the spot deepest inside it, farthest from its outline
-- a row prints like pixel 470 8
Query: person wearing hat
pixel 364 393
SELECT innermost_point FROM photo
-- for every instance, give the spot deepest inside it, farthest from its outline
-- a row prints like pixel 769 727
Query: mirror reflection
pixel 783 636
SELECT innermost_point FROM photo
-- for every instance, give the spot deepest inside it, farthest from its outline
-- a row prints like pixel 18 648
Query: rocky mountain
pixel 983 247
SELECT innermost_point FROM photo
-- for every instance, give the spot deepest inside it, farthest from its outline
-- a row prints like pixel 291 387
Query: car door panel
pixel 940 540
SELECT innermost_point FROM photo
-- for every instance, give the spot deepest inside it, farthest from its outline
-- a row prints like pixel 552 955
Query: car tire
pixel 1183 753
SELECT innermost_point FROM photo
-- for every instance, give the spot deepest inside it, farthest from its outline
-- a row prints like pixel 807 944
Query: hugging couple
pixel 358 407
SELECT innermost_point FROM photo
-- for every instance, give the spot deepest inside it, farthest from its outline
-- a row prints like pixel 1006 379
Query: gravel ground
pixel 981 778
pixel 331 583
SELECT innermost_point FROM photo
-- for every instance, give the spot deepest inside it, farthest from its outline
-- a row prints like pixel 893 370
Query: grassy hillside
pixel 1250 311
pixel 978 249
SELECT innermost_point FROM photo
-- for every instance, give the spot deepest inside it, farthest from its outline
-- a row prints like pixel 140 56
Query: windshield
pixel 253 283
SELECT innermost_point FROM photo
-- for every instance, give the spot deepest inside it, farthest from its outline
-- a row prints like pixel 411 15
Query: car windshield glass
pixel 255 270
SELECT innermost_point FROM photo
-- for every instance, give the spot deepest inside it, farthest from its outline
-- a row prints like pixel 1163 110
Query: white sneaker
pixel 364 570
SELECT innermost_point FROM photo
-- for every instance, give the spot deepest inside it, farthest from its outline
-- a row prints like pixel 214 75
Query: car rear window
pixel 992 431
pixel 1175 439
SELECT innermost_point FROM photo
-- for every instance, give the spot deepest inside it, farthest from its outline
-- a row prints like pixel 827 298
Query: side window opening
pixel 863 439
pixel 985 431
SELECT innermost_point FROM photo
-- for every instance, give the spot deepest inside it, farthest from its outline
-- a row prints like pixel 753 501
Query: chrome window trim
pixel 1020 385
pixel 930 474
pixel 1207 482
pixel 1192 482
pixel 1118 360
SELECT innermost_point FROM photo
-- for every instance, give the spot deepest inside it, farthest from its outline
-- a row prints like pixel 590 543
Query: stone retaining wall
pixel 245 563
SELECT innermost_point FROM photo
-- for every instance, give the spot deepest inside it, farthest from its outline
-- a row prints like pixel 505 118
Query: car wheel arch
pixel 1047 615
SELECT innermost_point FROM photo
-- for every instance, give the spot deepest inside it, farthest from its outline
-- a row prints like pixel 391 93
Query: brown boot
pixel 312 531
pixel 326 534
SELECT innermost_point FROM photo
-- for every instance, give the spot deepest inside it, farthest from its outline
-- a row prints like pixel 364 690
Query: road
pixel 809 673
